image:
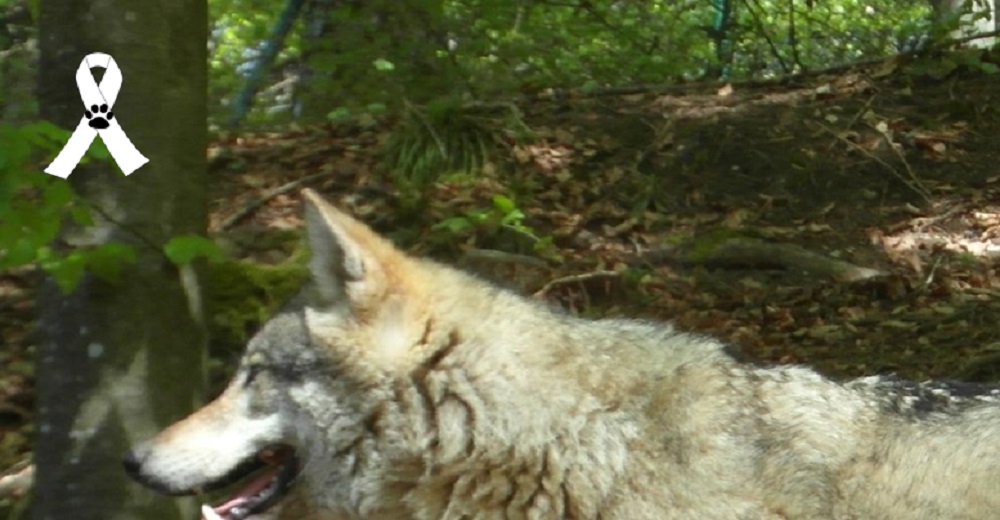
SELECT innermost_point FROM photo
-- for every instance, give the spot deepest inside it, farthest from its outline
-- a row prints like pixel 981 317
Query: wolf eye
pixel 253 370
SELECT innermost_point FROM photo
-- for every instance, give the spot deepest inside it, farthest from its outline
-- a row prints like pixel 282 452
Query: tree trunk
pixel 973 17
pixel 117 361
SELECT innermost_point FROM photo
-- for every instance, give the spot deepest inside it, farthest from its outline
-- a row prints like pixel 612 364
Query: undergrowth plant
pixel 503 225
pixel 35 206
pixel 440 139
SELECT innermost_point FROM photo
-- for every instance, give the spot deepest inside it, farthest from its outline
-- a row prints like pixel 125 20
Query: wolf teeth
pixel 271 487
pixel 207 513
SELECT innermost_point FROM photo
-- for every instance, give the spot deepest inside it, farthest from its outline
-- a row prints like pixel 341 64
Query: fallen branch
pixel 742 253
pixel 253 205
pixel 245 211
pixel 913 182
pixel 573 278
pixel 955 42
pixel 501 257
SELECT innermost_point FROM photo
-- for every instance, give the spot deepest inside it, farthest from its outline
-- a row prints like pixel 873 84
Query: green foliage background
pixel 423 61
pixel 385 51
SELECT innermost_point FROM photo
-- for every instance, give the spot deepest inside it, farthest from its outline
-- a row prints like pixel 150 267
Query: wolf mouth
pixel 266 477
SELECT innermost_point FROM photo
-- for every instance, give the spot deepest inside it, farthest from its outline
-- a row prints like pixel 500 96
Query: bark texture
pixel 116 362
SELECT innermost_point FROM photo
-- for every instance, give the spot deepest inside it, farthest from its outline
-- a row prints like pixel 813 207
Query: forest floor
pixel 721 209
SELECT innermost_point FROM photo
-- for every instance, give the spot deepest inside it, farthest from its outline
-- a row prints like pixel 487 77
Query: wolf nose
pixel 131 463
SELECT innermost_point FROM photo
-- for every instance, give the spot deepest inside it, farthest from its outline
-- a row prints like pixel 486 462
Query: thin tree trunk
pixel 969 24
pixel 272 46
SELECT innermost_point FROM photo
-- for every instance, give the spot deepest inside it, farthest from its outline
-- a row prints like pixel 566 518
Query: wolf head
pixel 393 387
pixel 309 392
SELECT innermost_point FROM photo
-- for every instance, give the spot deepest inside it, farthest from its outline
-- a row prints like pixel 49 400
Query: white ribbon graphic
pixel 98 120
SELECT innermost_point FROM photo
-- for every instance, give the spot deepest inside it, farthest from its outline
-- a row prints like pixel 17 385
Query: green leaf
pixel 46 135
pixel 98 151
pixel 81 215
pixel 57 194
pixel 504 204
pixel 339 114
pixel 45 228
pixel 16 148
pixel 106 261
pixel 383 65
pixel 988 68
pixel 454 224
pixel 376 108
pixel 514 217
pixel 66 271
pixel 22 252
pixel 478 215
pixel 184 249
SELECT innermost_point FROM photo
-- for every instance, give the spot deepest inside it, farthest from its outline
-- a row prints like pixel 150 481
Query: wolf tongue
pixel 244 495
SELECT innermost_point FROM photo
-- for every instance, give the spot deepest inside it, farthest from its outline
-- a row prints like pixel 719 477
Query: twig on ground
pixel 574 278
pixel 913 184
pixel 245 211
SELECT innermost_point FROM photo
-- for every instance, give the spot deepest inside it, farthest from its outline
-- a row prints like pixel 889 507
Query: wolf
pixel 397 388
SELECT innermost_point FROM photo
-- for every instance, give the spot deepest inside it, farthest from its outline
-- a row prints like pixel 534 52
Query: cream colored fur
pixel 441 397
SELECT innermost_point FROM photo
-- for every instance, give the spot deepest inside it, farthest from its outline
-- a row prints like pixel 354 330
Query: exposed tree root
pixel 743 253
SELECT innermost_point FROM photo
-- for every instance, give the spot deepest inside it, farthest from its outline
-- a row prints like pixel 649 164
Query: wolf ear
pixel 349 260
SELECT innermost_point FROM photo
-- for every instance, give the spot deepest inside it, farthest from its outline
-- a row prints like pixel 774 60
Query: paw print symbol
pixel 97 116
